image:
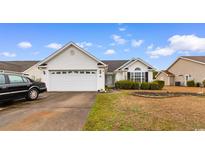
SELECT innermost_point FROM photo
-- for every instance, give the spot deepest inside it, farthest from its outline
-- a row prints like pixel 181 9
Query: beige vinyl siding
pixel 34 73
pixel 185 67
pixel 171 80
pixel 164 77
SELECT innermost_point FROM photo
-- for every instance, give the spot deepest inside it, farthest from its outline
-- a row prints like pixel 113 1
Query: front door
pixel 186 79
pixel 109 80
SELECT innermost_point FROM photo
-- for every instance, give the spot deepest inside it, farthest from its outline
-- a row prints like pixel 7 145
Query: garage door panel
pixel 72 81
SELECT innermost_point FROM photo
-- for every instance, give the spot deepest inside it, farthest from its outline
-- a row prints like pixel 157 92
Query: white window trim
pixel 140 75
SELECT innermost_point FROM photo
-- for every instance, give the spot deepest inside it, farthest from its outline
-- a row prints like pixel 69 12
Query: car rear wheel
pixel 32 94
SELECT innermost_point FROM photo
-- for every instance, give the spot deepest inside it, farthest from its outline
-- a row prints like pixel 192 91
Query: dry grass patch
pixel 122 111
pixel 183 89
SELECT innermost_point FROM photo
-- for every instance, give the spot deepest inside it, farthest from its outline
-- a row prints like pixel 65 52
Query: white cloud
pixel 161 52
pixel 187 43
pixel 8 54
pixel 122 29
pixel 54 45
pixel 184 53
pixel 126 50
pixel 150 47
pixel 84 44
pixel 24 45
pixel 109 52
pixel 118 39
pixel 181 44
pixel 136 43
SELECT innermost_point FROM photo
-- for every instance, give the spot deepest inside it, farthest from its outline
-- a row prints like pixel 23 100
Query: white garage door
pixel 73 80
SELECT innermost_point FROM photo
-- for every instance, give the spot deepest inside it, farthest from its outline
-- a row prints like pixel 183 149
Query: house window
pixel 138 76
pixel 143 76
pixel 137 69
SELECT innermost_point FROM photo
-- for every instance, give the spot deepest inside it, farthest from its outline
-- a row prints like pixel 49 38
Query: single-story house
pixel 185 68
pixel 16 66
pixel 71 68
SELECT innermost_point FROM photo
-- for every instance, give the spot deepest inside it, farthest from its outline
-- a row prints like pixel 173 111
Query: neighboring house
pixel 71 68
pixel 185 68
pixel 16 66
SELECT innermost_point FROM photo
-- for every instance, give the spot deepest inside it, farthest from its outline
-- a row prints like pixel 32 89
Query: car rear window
pixel 2 79
pixel 15 79
pixel 25 79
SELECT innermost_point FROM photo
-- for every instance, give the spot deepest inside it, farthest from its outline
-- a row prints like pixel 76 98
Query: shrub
pixel 108 88
pixel 144 86
pixel 154 86
pixel 203 83
pixel 160 83
pixel 190 83
pixel 135 85
pixel 124 84
pixel 198 84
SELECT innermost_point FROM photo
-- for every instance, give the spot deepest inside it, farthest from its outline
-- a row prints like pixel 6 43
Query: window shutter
pixel 146 76
pixel 128 75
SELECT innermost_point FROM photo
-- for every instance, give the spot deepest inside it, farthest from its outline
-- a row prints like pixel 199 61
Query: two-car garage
pixel 73 80
pixel 71 68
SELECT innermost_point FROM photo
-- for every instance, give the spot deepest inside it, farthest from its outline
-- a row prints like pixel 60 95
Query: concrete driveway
pixel 52 111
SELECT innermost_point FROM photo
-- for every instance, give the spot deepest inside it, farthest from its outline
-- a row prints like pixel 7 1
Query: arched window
pixel 137 69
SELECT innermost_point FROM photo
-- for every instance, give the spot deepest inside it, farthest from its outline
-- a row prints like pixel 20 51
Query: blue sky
pixel 158 44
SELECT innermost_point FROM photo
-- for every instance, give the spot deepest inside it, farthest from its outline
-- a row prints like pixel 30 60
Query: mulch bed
pixel 165 94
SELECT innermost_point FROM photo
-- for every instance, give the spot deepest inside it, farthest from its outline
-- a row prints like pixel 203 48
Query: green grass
pixel 105 114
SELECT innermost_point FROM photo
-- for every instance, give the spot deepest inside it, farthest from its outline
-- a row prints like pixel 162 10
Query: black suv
pixel 14 86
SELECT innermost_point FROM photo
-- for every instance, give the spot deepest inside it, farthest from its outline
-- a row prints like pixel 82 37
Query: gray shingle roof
pixel 20 66
pixel 17 66
pixel 114 64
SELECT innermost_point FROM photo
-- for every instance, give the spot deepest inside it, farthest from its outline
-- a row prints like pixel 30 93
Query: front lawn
pixel 123 111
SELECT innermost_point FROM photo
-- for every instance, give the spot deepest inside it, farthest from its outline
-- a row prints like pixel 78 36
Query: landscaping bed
pixel 164 94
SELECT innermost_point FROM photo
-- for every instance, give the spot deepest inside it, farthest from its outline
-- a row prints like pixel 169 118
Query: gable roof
pixel 133 60
pixel 196 59
pixel 114 64
pixel 16 66
pixel 66 46
pixel 165 72
pixel 168 73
